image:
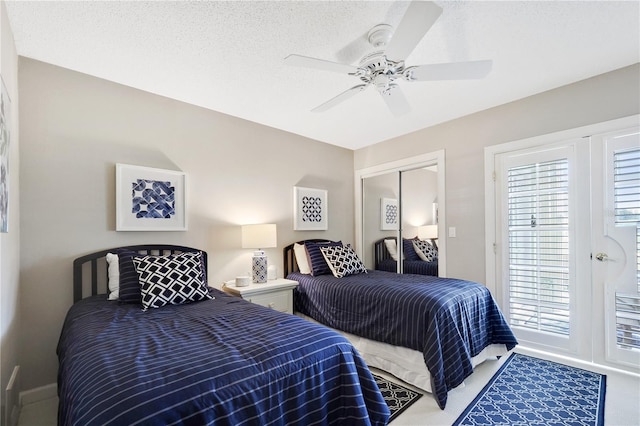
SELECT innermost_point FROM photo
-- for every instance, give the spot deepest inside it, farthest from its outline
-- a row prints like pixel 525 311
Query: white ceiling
pixel 227 56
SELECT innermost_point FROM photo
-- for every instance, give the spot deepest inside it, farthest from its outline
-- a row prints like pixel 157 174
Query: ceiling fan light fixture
pixel 382 83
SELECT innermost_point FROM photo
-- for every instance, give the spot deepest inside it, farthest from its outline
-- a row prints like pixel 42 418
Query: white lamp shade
pixel 428 232
pixel 259 236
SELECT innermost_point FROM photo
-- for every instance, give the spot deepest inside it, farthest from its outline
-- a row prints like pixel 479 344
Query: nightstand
pixel 275 294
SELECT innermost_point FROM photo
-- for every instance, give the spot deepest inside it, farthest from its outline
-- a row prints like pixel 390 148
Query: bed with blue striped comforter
pixel 221 362
pixel 448 320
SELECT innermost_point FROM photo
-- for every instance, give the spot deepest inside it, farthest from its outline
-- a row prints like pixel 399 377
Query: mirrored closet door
pixel 401 205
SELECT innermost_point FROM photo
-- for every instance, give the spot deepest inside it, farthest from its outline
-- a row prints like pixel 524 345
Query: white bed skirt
pixel 404 363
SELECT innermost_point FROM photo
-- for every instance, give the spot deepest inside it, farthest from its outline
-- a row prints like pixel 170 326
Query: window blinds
pixel 626 198
pixel 538 213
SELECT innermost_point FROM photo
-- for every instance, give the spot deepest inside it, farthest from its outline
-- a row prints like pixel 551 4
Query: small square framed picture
pixel 310 210
pixel 149 199
pixel 388 214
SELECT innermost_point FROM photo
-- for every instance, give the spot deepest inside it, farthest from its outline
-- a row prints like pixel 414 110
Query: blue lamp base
pixel 259 267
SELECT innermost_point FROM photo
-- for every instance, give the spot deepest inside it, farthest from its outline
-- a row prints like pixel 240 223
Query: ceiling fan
pixel 383 67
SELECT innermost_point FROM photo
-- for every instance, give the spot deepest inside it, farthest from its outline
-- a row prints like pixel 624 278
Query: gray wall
pixel 76 127
pixel 10 242
pixel 601 98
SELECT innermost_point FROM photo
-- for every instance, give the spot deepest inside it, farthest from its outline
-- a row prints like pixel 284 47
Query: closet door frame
pixel 436 158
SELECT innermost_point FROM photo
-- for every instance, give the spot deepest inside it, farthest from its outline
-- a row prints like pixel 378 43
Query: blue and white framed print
pixel 149 199
pixel 388 214
pixel 5 108
pixel 310 210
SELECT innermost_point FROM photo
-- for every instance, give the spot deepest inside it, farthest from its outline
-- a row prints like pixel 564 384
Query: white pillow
pixel 301 257
pixel 113 271
pixel 392 249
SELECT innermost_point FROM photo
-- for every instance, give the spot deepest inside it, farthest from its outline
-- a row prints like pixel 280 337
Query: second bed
pixel 425 330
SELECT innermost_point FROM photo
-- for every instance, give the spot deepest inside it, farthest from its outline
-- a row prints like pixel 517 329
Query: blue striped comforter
pixel 419 267
pixel 448 320
pixel 220 362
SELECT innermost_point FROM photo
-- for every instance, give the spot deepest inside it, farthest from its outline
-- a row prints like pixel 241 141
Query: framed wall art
pixel 388 214
pixel 149 199
pixel 310 210
pixel 5 108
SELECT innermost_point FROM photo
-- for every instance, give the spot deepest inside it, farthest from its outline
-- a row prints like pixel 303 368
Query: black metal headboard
pixel 91 270
pixel 290 264
pixel 380 251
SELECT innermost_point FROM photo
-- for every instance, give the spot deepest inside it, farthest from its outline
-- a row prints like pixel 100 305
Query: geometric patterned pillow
pixel 343 261
pixel 425 250
pixel 173 279
pixel 130 291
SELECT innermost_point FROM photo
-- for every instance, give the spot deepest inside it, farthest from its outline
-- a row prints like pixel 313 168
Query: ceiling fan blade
pixel 418 19
pixel 449 71
pixel 340 98
pixel 395 100
pixel 321 64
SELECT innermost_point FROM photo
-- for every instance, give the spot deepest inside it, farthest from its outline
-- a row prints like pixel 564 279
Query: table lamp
pixel 259 237
pixel 428 232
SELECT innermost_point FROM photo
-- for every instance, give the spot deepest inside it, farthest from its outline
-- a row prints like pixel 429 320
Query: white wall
pixel 601 98
pixel 10 242
pixel 76 127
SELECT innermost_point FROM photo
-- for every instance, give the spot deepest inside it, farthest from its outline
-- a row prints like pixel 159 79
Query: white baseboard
pixel 39 394
pixel 12 398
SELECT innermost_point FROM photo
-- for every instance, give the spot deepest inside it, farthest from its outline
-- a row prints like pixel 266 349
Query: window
pixel 538 235
pixel 626 198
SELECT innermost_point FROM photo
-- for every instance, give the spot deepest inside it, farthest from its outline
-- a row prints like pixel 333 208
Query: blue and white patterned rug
pixel 532 391
pixel 397 397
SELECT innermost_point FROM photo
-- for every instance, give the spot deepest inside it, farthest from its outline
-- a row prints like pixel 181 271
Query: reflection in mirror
pixel 401 203
pixel 419 197
pixel 380 214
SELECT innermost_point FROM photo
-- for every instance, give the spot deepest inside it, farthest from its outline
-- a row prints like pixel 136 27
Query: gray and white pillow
pixel 392 248
pixel 113 273
pixel 343 261
pixel 425 251
pixel 300 252
pixel 171 280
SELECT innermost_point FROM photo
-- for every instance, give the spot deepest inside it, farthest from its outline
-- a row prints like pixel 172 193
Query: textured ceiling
pixel 228 56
